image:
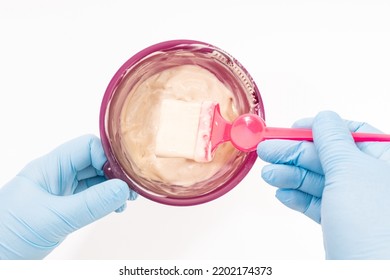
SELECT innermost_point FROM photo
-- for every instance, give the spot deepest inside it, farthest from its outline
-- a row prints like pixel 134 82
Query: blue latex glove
pixel 55 195
pixel 342 185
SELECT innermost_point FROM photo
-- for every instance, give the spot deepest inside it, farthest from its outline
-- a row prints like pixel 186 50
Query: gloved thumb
pixel 94 203
pixel 333 140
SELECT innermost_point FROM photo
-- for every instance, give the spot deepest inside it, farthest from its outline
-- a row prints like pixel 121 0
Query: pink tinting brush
pixel 194 130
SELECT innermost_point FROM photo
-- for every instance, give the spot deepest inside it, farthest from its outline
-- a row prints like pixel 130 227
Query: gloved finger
pixel 86 173
pixel 78 154
pixel 333 141
pixel 89 182
pixel 292 177
pixel 379 150
pixel 94 203
pixel 299 153
pixel 133 195
pixel 352 125
pixel 306 123
pixel 56 172
pixel 301 202
pixel 82 152
pixel 121 209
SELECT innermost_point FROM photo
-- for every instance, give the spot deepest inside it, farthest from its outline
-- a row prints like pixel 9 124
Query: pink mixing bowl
pixel 155 59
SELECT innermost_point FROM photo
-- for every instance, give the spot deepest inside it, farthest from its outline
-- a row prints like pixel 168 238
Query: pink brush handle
pixel 306 134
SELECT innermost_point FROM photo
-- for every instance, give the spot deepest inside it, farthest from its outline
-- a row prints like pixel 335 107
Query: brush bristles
pixel 185 129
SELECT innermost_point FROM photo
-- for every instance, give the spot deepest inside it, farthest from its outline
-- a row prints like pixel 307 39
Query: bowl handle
pixel 108 170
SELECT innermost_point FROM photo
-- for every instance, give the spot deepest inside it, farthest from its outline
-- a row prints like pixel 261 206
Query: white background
pixel 57 57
